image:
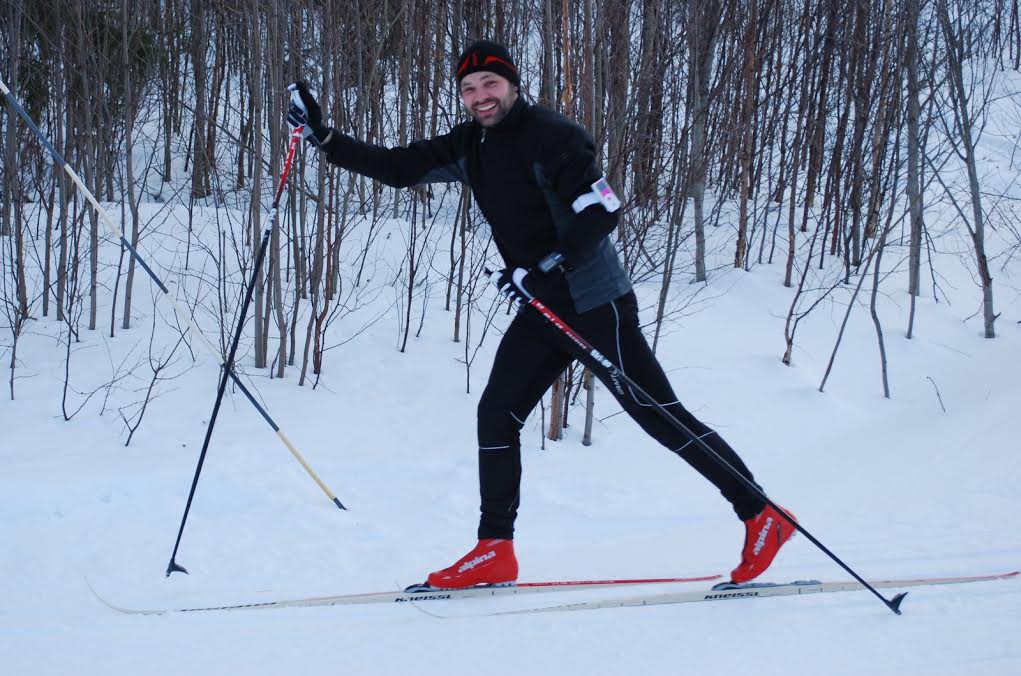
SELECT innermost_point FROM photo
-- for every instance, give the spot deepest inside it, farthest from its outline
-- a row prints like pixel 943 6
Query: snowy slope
pixel 896 487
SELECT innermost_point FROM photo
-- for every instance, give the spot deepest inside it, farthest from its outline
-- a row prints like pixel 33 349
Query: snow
pixel 897 488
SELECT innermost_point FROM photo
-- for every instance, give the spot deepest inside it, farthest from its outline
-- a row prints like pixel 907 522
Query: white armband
pixel 601 192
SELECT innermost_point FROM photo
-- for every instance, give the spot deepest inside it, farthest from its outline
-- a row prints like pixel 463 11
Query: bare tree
pixel 747 115
pixel 160 360
pixel 959 47
pixel 129 169
pixel 705 17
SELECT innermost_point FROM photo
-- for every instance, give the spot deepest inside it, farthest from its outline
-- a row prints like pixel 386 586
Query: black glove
pixel 524 285
pixel 305 112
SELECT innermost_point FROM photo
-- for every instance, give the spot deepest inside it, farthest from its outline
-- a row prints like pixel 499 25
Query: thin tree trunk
pixel 556 426
pixel 129 170
pixel 703 29
pixel 955 56
pixel 200 163
pixel 276 296
pixel 255 86
pixel 91 169
pixel 914 192
pixel 748 111
pixel 10 138
pixel 64 131
pixel 589 383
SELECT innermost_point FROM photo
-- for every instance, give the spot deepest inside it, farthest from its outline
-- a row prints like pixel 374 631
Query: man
pixel 534 176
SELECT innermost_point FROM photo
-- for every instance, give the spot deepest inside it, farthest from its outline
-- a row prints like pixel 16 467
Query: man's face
pixel 487 96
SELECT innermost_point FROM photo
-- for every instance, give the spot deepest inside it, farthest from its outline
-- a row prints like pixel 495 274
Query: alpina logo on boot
pixel 468 565
pixel 761 541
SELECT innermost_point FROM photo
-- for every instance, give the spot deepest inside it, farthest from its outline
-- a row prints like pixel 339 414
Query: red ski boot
pixel 764 535
pixel 491 562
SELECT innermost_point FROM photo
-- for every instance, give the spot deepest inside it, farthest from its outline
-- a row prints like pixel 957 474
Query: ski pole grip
pixel 296 98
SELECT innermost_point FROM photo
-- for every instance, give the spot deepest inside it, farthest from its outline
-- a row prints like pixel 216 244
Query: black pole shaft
pixel 577 339
pixel 228 368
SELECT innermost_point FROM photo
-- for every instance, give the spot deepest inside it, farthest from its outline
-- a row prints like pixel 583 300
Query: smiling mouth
pixel 486 107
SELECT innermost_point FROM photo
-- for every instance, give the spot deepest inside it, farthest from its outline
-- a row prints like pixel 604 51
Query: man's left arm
pixel 580 184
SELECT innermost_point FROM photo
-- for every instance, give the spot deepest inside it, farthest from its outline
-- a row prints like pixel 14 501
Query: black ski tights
pixel 533 353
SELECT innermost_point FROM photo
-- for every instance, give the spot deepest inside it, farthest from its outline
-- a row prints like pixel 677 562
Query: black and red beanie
pixel 488 56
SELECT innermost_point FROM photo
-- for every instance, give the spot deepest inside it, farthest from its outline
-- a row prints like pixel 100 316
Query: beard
pixel 495 115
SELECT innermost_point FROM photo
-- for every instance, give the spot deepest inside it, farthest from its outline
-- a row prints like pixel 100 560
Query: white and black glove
pixel 524 285
pixel 305 113
pixel 511 284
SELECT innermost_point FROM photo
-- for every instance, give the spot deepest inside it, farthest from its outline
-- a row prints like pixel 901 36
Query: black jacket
pixel 525 173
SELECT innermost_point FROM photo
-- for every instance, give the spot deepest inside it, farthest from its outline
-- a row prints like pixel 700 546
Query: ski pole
pixel 173 566
pixel 186 317
pixel 594 354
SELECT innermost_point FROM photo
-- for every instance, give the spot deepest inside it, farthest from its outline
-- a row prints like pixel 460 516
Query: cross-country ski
pixel 421 593
pixel 754 590
pixel 719 592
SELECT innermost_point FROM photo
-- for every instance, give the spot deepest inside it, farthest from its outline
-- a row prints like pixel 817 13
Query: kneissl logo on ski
pixel 422 597
pixel 719 596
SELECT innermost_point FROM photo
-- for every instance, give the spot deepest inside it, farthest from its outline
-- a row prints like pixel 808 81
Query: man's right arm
pixel 435 160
